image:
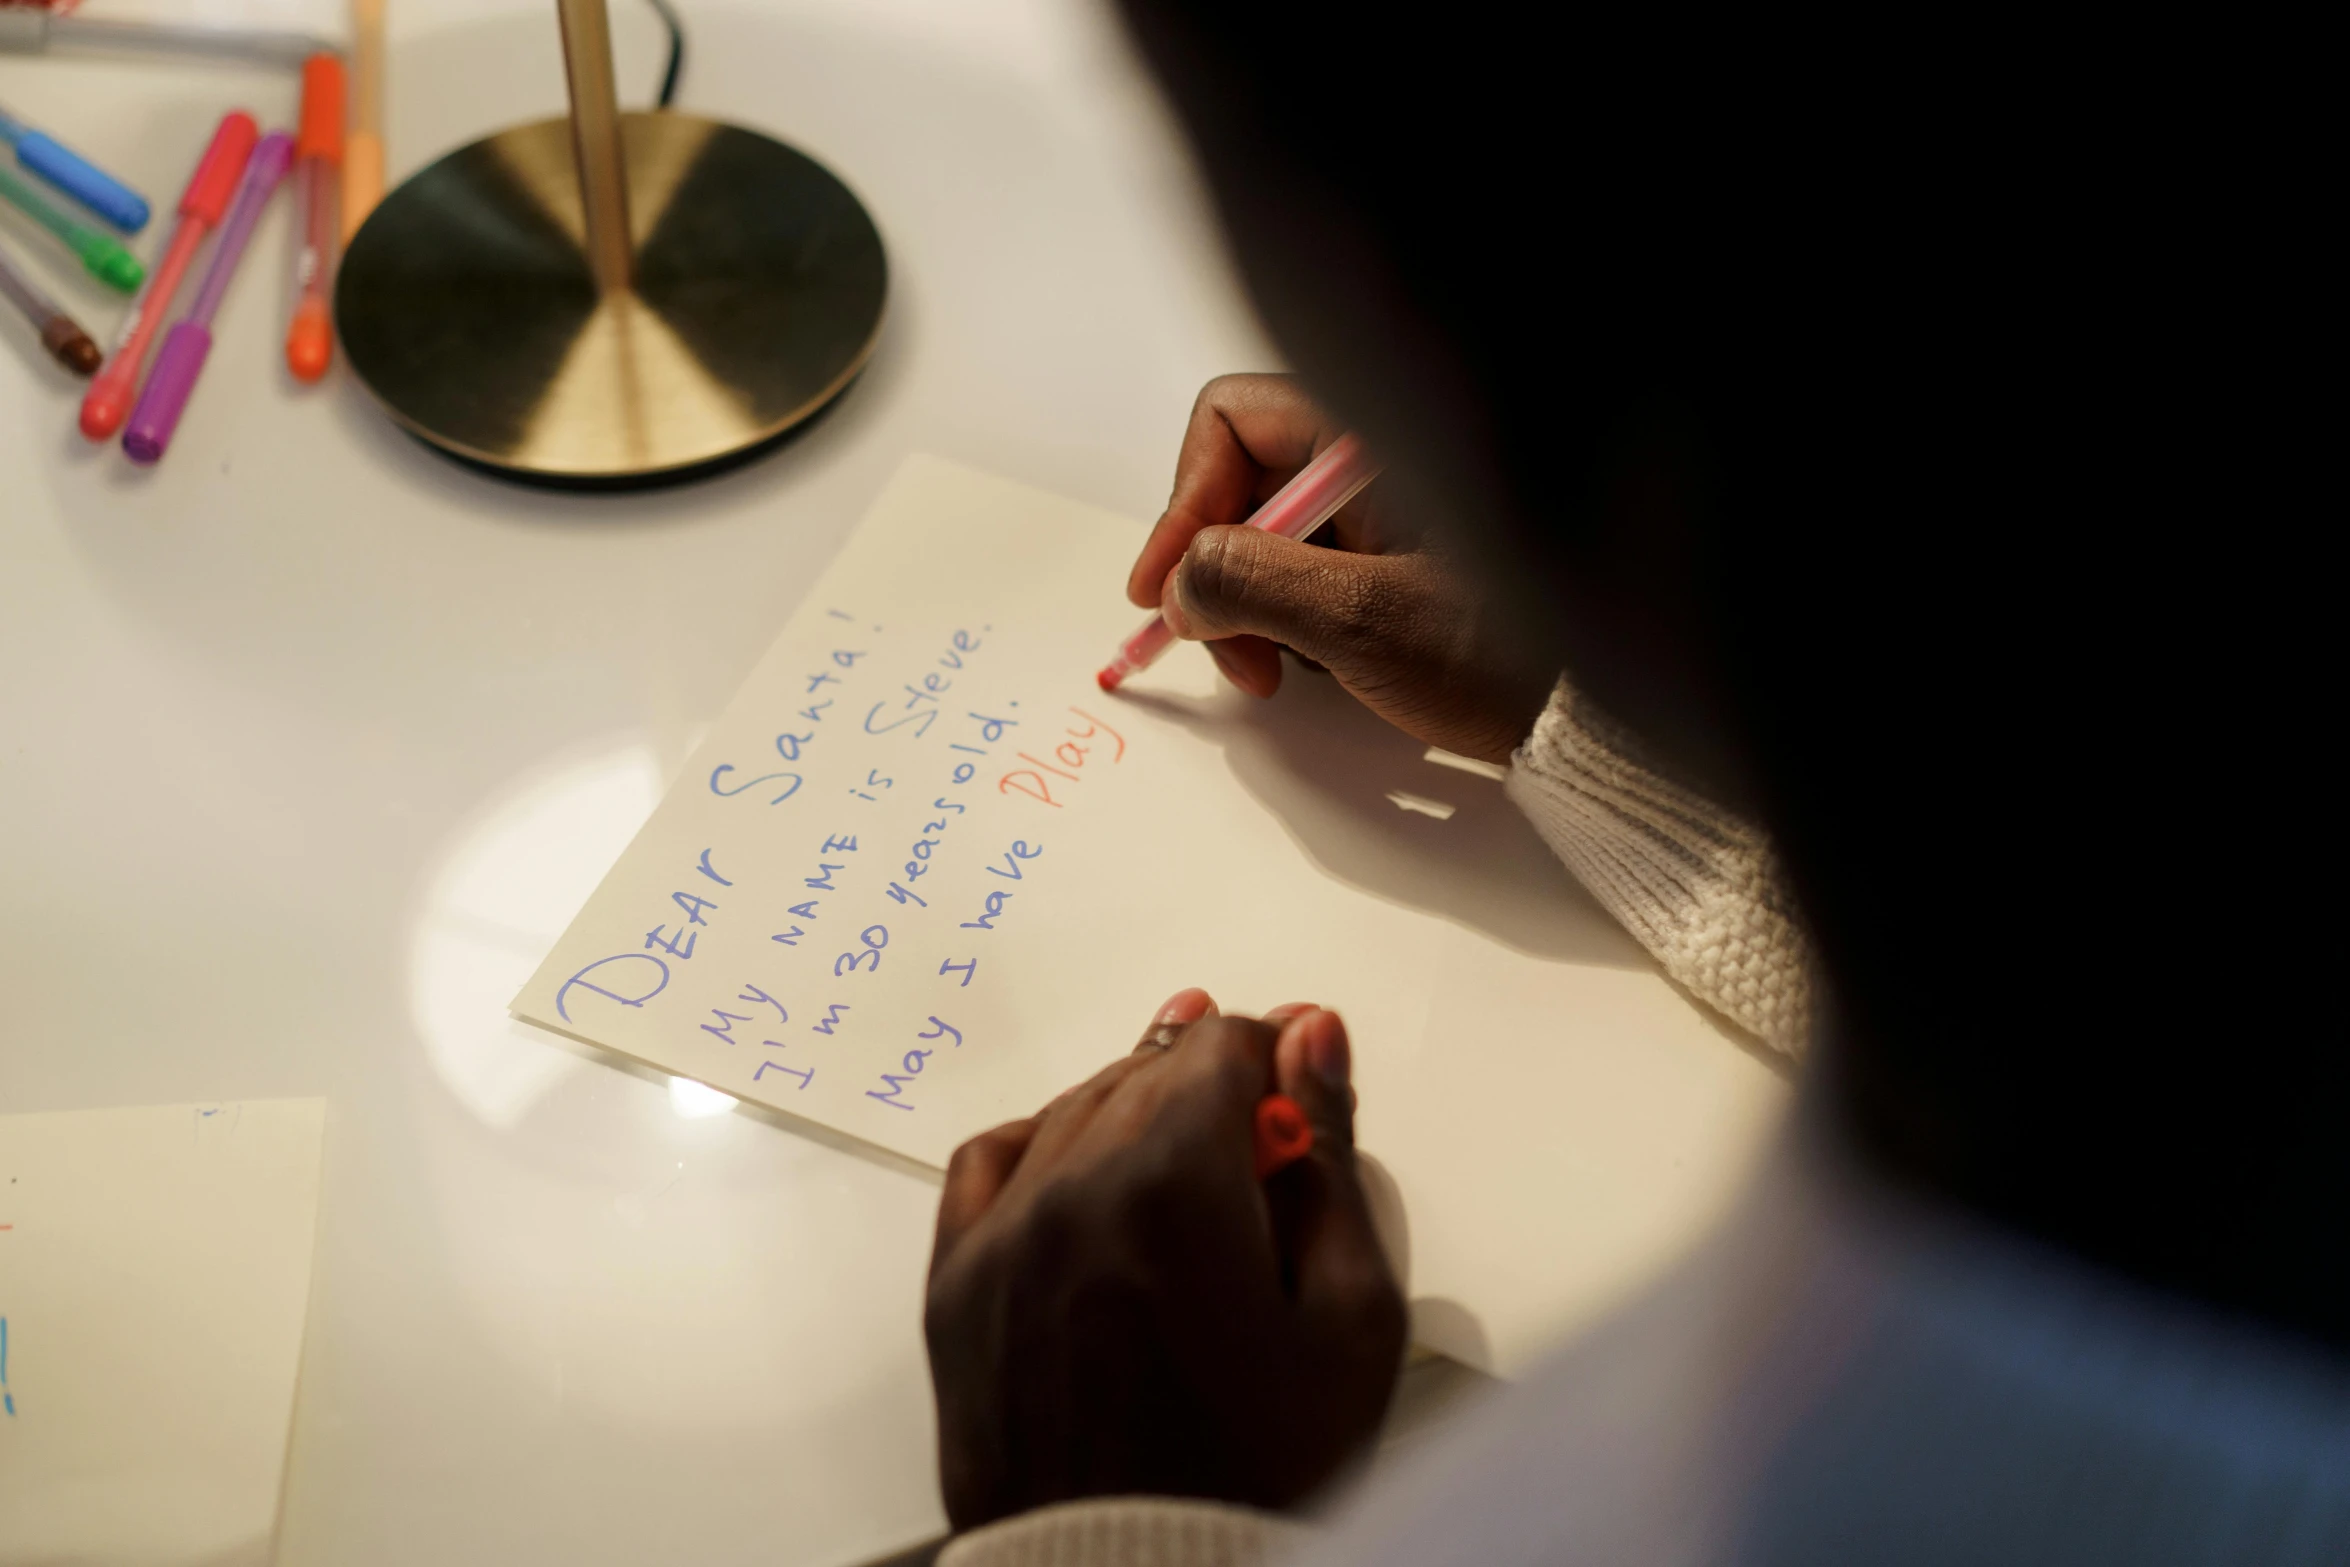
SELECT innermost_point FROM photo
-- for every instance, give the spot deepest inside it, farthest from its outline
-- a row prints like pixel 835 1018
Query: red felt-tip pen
pixel 1283 1134
pixel 202 205
pixel 1296 509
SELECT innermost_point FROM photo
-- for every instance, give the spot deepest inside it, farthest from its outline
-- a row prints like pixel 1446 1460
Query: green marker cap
pixel 109 263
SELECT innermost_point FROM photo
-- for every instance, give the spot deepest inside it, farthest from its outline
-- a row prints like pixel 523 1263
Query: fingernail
pixel 1224 663
pixel 1177 1013
pixel 1184 1008
pixel 1282 1014
pixel 1327 1054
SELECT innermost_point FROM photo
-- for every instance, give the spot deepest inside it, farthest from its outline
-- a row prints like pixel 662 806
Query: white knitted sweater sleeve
pixel 1129 1531
pixel 1699 887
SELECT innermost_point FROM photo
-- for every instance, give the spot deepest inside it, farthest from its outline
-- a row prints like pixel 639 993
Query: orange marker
pixel 310 340
pixel 363 160
pixel 1283 1134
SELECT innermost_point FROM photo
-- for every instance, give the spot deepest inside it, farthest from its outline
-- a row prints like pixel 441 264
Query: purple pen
pixel 181 359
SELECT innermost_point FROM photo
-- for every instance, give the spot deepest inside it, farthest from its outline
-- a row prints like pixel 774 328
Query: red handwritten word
pixel 1035 780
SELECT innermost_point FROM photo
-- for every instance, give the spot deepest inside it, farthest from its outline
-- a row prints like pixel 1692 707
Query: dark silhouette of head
pixel 1859 412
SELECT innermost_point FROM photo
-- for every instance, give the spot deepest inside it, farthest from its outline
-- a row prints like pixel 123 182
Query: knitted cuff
pixel 1128 1531
pixel 1700 888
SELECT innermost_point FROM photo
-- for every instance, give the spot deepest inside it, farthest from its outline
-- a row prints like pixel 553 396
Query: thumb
pixel 1246 582
pixel 1344 1284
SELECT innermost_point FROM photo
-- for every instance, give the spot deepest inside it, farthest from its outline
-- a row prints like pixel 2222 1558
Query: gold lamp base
pixel 469 302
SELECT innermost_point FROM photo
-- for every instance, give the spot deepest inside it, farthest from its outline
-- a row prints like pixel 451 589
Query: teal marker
pixel 108 262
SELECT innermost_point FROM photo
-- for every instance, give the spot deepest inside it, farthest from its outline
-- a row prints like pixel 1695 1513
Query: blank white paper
pixel 154 1278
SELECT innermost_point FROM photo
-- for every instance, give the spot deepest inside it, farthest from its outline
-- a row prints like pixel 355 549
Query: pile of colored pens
pixel 232 184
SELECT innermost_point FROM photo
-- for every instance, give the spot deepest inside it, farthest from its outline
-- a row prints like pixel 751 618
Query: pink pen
pixel 201 205
pixel 181 359
pixel 1296 509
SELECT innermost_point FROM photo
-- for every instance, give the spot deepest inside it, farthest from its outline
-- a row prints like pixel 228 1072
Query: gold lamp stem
pixel 595 140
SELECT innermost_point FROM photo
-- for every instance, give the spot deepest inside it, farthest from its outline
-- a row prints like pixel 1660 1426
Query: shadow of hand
pixel 1365 803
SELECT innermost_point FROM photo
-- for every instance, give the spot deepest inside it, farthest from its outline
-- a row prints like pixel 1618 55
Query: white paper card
pixel 923 875
pixel 328 18
pixel 154 1278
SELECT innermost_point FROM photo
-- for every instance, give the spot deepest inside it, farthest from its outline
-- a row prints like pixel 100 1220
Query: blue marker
pixel 48 159
pixel 7 1399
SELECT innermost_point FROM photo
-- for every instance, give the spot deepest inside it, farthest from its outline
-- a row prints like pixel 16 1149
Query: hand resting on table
pixel 1117 1305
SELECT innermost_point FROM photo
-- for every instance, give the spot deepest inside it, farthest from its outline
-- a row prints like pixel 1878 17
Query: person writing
pixel 1389 613
pixel 1393 614
pixel 1705 372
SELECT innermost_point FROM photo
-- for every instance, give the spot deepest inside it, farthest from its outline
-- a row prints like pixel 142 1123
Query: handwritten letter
pixel 924 874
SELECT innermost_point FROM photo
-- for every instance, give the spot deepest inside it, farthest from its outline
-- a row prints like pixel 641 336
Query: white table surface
pixel 311 742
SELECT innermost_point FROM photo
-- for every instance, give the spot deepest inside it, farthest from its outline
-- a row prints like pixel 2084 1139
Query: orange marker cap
pixel 1284 1136
pixel 221 168
pixel 310 340
pixel 321 134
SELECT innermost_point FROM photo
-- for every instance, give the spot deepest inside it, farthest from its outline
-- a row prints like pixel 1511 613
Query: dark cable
pixel 676 28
